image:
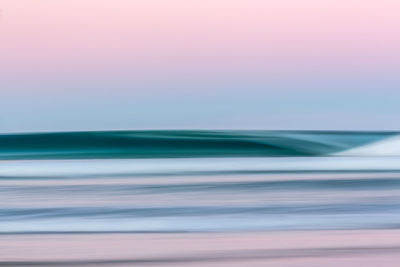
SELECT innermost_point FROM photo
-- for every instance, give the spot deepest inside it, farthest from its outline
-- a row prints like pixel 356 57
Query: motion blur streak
pixel 195 198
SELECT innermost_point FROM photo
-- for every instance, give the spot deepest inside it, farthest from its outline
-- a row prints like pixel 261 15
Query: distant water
pixel 198 181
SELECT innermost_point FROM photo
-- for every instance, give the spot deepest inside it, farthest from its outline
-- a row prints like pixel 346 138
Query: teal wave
pixel 170 144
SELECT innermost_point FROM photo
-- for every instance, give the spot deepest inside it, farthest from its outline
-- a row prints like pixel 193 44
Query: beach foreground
pixel 296 248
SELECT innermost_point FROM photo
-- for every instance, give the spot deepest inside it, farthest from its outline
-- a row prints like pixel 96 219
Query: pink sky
pixel 200 49
pixel 209 37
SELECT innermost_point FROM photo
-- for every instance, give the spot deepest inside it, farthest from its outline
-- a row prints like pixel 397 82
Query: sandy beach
pixel 297 248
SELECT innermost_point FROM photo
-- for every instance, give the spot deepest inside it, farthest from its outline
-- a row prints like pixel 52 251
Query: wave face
pixel 198 181
pixel 173 144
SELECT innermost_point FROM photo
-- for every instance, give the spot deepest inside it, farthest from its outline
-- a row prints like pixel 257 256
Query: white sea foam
pixel 83 168
pixel 386 147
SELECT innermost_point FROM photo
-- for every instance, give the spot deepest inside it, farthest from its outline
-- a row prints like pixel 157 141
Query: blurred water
pixel 225 197
pixel 218 186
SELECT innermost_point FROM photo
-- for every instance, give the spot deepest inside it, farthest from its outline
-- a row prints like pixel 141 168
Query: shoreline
pixel 294 248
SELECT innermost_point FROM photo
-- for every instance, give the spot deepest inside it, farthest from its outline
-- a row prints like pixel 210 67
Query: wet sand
pixel 289 248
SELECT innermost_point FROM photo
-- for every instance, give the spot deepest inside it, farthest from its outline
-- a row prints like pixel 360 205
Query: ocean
pixel 191 185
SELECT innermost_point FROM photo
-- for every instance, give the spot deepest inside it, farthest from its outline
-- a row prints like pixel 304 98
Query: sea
pixel 191 184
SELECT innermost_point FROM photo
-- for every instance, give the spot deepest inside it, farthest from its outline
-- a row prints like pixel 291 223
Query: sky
pixel 72 65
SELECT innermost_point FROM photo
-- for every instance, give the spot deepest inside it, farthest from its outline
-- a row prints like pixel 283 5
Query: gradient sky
pixel 199 64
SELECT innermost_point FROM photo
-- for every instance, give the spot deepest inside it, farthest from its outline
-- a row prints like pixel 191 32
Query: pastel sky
pixel 199 64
